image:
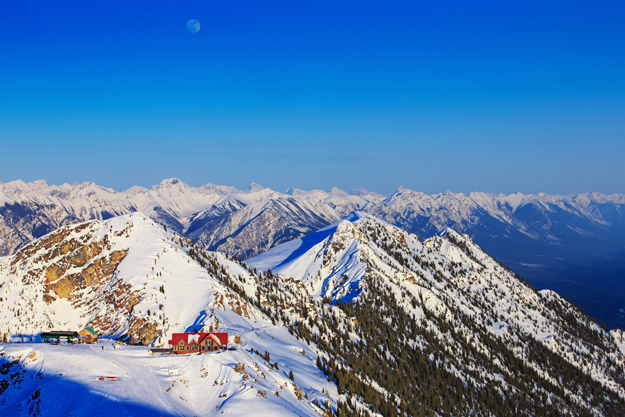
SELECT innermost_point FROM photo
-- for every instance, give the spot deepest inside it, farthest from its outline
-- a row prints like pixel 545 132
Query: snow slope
pixel 305 259
pixel 63 380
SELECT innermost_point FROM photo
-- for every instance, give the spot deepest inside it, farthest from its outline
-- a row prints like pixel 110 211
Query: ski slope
pixel 64 380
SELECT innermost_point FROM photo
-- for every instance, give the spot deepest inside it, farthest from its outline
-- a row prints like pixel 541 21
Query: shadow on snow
pixel 29 392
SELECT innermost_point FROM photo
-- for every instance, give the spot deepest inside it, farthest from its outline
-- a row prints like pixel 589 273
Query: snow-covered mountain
pixel 560 242
pixel 30 210
pixel 447 300
pixel 127 277
pixel 399 327
pixel 331 267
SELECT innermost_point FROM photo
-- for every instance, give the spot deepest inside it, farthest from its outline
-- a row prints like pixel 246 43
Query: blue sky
pixel 491 96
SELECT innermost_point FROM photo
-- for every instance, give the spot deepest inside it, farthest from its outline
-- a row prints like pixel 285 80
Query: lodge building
pixel 88 335
pixel 183 343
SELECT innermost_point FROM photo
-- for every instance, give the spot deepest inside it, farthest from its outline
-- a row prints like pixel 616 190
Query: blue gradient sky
pixel 497 96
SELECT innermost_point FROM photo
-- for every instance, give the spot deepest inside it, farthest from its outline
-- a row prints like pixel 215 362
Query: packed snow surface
pixel 64 380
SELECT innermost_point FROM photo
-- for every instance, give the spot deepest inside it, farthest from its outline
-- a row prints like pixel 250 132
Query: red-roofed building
pixel 182 343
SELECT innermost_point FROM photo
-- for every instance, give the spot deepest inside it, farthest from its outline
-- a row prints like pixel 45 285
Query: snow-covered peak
pixel 401 189
pixel 334 194
pixel 335 191
pixel 220 189
pixel 16 186
pixel 329 260
pixel 222 217
pixel 170 183
pixel 404 196
pixel 255 187
pixel 88 189
pixel 279 257
pixel 136 189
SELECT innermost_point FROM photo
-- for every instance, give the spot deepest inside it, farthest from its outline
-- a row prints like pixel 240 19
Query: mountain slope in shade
pixel 478 320
pixel 258 227
pixel 317 260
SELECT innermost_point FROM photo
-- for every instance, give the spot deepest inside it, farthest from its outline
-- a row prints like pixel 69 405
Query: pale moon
pixel 193 26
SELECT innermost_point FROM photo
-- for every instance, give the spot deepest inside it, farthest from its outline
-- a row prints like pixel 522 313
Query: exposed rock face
pixel 69 261
pixel 125 277
pixel 143 332
pixel 77 265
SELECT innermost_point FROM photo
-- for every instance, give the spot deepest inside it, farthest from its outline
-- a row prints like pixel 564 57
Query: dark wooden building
pixel 58 336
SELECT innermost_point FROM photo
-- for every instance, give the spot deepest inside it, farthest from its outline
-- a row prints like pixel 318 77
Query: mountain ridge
pixel 548 239
pixel 451 290
pixel 184 203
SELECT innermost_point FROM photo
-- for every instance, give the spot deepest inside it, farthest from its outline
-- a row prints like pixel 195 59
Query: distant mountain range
pixel 574 244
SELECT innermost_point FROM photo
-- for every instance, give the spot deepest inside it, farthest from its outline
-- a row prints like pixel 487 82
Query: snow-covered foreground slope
pixel 447 299
pixel 63 380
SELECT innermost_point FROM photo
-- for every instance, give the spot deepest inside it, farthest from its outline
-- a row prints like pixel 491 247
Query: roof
pixel 90 330
pixel 223 338
pixel 187 338
pixel 55 334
